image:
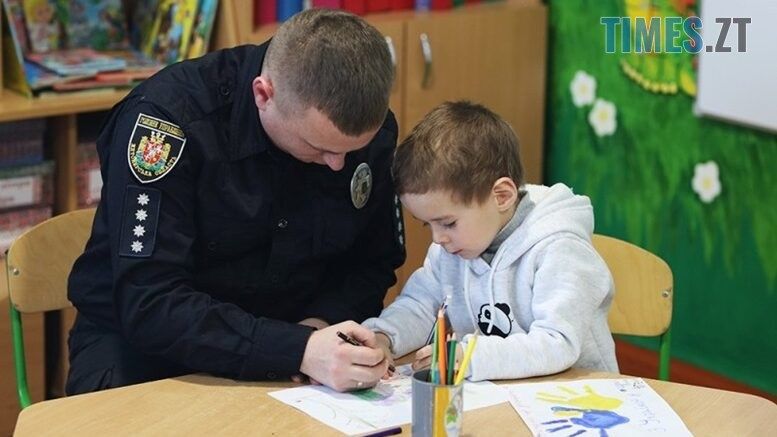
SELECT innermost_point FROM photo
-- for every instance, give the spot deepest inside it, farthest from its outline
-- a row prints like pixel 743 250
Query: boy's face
pixel 461 229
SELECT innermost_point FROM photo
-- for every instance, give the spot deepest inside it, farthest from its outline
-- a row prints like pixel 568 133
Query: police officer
pixel 247 202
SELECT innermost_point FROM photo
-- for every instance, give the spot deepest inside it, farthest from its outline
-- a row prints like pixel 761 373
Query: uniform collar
pixel 247 135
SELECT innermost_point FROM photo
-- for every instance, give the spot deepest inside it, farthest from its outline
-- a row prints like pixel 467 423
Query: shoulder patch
pixel 140 216
pixel 154 148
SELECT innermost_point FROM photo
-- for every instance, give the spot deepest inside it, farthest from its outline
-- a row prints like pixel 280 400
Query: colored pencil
pixel 465 361
pixel 451 358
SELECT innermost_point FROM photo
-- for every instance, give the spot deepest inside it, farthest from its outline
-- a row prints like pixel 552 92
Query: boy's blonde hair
pixel 459 147
pixel 335 62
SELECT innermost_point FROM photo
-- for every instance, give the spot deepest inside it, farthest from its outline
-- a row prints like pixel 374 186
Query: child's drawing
pixel 596 407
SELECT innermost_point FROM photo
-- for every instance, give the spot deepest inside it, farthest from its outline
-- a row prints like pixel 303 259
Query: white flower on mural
pixel 706 181
pixel 602 117
pixel 583 89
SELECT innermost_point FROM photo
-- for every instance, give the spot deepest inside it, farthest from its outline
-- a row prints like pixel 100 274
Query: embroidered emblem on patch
pixel 139 221
pixel 154 148
pixel 361 185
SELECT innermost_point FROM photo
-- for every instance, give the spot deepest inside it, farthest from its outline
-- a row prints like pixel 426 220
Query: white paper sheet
pixel 384 406
pixel 595 407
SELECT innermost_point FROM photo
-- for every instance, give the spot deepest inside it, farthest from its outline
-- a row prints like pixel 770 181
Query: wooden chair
pixel 643 294
pixel 39 263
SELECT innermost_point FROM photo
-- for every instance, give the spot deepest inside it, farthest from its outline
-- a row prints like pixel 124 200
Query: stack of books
pixel 26 180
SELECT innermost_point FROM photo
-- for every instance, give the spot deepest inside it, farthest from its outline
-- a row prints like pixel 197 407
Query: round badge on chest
pixel 361 185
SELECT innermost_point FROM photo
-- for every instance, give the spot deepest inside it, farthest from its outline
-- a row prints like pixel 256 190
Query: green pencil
pixel 451 357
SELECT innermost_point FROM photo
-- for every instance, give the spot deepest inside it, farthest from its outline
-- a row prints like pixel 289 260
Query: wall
pixel 699 193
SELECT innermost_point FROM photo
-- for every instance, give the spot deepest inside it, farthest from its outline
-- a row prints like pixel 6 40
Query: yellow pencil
pixel 465 361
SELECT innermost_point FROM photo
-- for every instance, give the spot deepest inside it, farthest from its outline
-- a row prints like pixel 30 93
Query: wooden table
pixel 205 405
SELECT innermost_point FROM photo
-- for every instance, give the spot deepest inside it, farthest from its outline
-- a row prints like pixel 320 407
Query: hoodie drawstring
pixel 491 302
pixel 466 295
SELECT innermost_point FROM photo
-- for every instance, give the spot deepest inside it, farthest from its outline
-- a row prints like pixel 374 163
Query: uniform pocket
pixel 224 238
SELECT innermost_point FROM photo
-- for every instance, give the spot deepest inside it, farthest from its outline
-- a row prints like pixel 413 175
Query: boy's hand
pixel 423 358
pixel 385 343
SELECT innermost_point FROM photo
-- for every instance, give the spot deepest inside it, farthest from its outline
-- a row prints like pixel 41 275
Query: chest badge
pixel 361 185
pixel 154 148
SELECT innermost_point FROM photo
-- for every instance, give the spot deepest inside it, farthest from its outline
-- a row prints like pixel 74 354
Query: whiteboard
pixel 740 87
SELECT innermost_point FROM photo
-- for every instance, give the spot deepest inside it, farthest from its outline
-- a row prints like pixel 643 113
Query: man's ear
pixel 505 193
pixel 263 91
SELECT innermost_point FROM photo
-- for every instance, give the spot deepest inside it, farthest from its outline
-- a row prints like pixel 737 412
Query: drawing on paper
pixel 596 407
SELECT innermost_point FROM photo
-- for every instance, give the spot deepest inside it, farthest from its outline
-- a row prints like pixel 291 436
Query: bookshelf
pixel 61 113
pixel 14 106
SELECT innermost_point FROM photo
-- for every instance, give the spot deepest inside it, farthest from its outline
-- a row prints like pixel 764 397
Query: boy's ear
pixel 505 193
pixel 263 91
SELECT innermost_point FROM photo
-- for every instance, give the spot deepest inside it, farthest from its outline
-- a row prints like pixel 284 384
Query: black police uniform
pixel 209 243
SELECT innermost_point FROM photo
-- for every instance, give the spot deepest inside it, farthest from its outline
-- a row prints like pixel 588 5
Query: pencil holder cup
pixel 438 410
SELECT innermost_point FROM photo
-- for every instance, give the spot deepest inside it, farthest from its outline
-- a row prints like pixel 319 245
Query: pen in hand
pixel 349 340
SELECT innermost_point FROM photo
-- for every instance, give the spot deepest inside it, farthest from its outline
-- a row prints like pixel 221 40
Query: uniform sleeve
pixel 358 280
pixel 409 319
pixel 151 203
pixel 571 284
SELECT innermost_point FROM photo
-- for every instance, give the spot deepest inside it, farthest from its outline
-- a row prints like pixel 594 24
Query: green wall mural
pixel 697 192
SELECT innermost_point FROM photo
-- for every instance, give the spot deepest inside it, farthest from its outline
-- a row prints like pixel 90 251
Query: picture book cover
pixel 13 61
pixel 15 13
pixel 85 84
pixel 37 77
pixel 168 40
pixel 141 20
pixel 77 62
pixel 136 61
pixel 97 24
pixel 43 25
pixel 203 27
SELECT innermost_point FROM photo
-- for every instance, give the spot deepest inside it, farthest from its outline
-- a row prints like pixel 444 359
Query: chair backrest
pixel 40 260
pixel 643 288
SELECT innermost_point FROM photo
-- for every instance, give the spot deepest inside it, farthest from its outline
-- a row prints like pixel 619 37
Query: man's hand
pixel 385 343
pixel 314 323
pixel 342 366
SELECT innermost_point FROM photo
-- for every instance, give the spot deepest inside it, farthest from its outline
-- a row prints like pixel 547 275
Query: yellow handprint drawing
pixel 587 400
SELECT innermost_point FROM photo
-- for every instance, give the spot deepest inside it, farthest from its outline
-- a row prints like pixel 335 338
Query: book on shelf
pixel 168 40
pixel 77 62
pixel 203 28
pixel 98 24
pixel 43 25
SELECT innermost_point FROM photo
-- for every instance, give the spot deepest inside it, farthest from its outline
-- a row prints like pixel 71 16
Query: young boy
pixel 516 259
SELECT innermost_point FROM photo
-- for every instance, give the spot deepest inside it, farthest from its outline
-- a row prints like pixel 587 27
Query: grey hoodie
pixel 539 308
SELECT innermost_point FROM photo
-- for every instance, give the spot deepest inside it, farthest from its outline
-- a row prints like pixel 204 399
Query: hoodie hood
pixel 554 210
pixel 551 210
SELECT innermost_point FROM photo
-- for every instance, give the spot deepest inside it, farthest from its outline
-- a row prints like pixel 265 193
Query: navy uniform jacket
pixel 209 243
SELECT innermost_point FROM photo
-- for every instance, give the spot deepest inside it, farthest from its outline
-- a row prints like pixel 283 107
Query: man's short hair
pixel 335 62
pixel 459 147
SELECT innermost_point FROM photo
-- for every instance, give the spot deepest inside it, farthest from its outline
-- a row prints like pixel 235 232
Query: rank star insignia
pixel 137 246
pixel 361 185
pixel 154 148
pixel 140 220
